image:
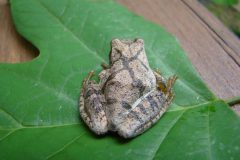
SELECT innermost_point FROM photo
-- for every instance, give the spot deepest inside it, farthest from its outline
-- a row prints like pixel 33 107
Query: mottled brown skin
pixel 130 97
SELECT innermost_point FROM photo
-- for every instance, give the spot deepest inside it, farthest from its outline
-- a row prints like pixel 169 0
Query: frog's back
pixel 130 79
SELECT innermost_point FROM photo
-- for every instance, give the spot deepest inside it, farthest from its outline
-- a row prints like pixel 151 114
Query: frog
pixel 130 97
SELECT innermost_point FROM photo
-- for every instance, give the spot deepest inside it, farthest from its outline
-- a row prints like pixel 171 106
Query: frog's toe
pixel 99 127
pixel 128 128
pixel 126 132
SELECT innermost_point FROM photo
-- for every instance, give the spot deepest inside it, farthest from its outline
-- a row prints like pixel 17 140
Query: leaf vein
pixel 209 138
pixel 10 133
pixel 167 133
pixel 11 115
pixel 64 146
pixel 71 32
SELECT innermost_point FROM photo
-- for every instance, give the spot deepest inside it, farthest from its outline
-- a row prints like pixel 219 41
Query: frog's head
pixel 126 49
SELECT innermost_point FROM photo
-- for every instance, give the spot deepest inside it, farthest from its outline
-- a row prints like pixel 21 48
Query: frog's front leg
pixel 91 107
pixel 146 110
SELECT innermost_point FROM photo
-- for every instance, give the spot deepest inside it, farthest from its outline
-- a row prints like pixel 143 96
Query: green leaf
pixel 225 2
pixel 39 116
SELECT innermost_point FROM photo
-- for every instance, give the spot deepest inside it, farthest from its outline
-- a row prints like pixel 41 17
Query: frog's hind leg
pixel 91 107
pixel 143 115
pixel 147 109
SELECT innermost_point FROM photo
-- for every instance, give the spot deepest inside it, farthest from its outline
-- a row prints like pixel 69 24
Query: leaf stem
pixel 233 101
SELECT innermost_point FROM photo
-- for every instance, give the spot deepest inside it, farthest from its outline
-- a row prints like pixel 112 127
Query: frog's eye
pixel 115 54
pixel 118 53
pixel 138 44
pixel 116 42
pixel 139 41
